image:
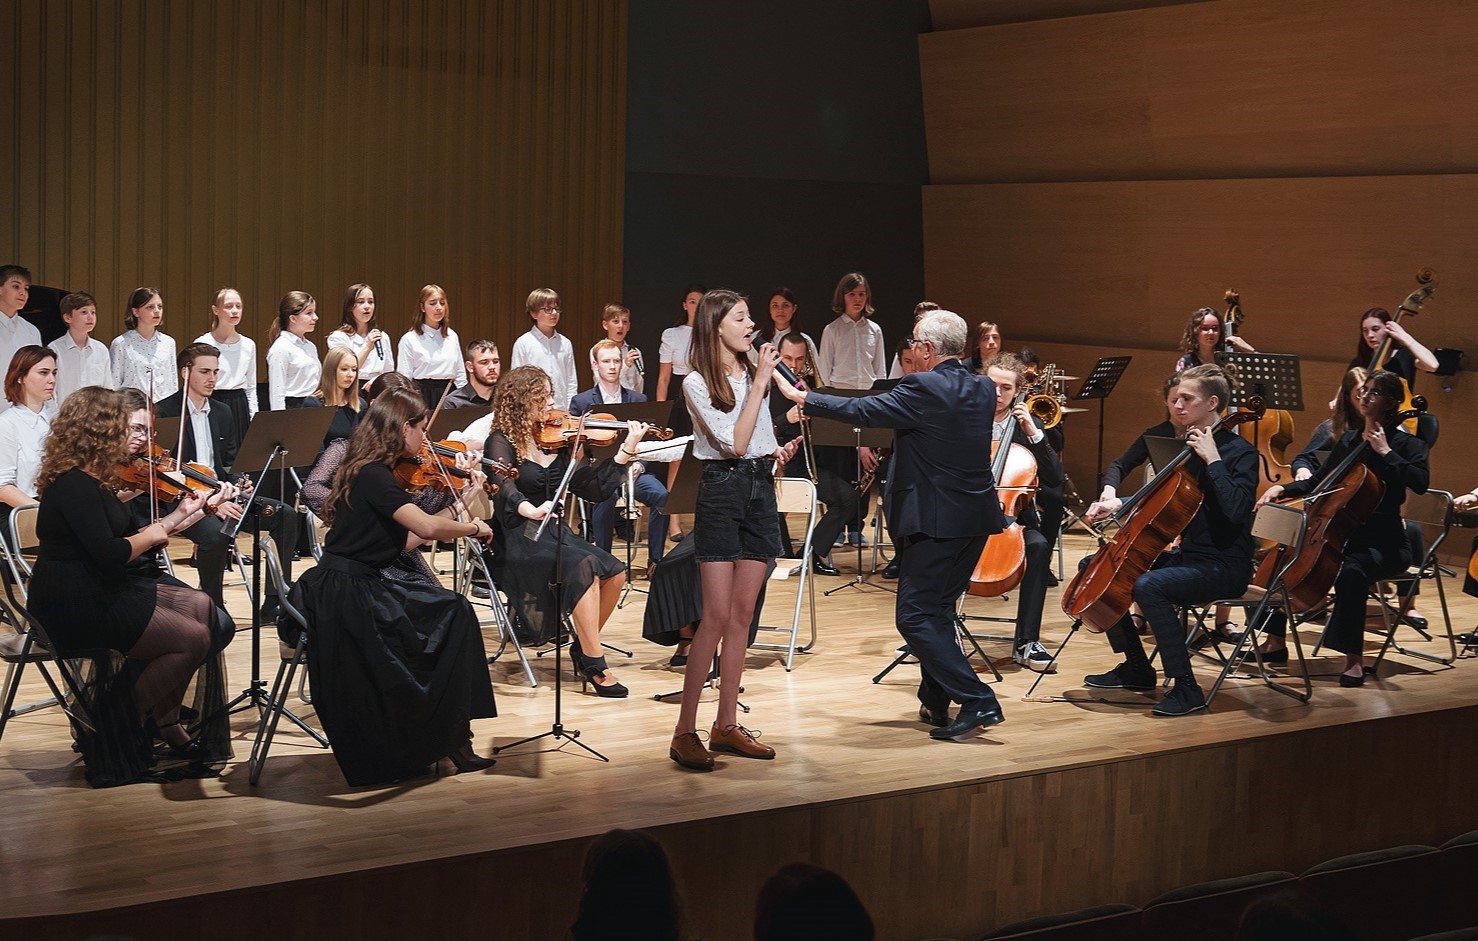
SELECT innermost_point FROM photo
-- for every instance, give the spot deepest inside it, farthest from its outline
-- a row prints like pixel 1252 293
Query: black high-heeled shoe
pixel 192 750
pixel 592 667
pixel 465 759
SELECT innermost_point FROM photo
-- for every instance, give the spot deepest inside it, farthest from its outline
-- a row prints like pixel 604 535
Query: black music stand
pixel 831 432
pixel 449 420
pixel 1275 377
pixel 272 436
pixel 1099 384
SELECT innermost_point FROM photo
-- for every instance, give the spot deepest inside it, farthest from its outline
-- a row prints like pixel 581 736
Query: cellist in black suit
pixel 210 438
pixel 941 506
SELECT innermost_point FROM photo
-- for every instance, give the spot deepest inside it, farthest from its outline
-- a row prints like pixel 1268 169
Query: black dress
pixel 527 565
pixel 95 604
pixel 398 668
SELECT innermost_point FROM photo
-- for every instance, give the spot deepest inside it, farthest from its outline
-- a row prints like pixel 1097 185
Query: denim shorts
pixel 736 517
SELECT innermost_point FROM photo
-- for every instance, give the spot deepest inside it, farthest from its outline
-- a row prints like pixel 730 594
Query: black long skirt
pixel 398 669
pixel 675 598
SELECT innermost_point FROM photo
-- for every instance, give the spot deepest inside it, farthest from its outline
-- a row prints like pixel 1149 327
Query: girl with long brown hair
pixel 398 668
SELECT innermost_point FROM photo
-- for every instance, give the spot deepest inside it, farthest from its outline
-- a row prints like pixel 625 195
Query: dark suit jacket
pixel 222 429
pixel 589 400
pixel 940 483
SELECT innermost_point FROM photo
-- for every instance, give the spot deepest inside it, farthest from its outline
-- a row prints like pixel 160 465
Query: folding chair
pixel 475 560
pixel 795 495
pixel 1432 511
pixel 267 727
pixel 21 542
pixel 1283 525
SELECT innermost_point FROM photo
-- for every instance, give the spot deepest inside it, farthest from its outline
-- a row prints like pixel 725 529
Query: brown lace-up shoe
pixel 737 740
pixel 687 750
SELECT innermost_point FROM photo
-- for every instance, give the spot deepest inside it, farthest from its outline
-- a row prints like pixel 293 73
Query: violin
pixel 169 478
pixel 1342 503
pixel 1002 561
pixel 436 466
pixel 1101 592
pixel 600 429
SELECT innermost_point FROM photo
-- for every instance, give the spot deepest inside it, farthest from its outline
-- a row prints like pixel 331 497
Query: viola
pixel 1002 562
pixel 600 429
pixel 169 478
pixel 1101 592
pixel 1342 503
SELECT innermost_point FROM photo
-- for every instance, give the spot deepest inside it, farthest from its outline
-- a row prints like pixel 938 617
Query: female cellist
pixel 592 578
pixel 1379 548
pixel 1214 559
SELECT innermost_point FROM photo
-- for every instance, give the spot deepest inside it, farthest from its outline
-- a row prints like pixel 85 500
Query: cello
pixel 1100 594
pixel 1002 562
pixel 1273 433
pixel 1342 503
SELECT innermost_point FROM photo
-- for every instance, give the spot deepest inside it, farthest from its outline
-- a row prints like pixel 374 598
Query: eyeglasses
pixel 1366 395
pixel 138 431
pixel 552 310
pixel 913 342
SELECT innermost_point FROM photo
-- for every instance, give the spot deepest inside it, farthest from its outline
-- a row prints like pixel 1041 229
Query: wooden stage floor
pixel 1063 805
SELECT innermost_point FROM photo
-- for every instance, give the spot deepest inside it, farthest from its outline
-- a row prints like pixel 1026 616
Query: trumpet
pixel 1045 408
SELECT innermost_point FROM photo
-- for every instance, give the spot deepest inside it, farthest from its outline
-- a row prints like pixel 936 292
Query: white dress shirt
pixel 293 369
pixel 205 448
pixel 134 357
pixel 22 442
pixel 851 354
pixel 78 366
pixel 15 332
pixel 677 342
pixel 375 365
pixel 476 434
pixel 426 354
pixel 713 430
pixel 554 355
pixel 238 368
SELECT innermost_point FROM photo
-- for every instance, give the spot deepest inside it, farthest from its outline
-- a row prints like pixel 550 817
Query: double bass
pixel 1411 305
pixel 1101 593
pixel 1342 503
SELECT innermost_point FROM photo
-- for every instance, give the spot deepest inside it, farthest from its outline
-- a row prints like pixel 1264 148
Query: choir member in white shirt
pixel 15 330
pixel 783 321
pixel 431 353
pixel 80 360
pixel 236 383
pixel 361 333
pixel 30 381
pixel 852 356
pixel 293 368
pixel 615 319
pixel 144 357
pixel 545 347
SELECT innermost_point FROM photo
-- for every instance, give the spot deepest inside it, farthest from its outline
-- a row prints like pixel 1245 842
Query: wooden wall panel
pixel 282 146
pixel 959 14
pixel 1083 270
pixel 1231 88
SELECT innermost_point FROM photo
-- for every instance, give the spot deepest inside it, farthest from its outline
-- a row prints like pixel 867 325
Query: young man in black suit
pixel 1013 424
pixel 942 505
pixel 606 360
pixel 210 438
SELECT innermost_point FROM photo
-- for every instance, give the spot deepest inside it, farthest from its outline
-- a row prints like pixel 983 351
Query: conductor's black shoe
pixel 1124 676
pixel 938 718
pixel 821 567
pixel 969 720
pixel 1184 698
pixel 891 569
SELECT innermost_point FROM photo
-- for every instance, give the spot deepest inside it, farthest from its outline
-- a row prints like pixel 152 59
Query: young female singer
pixel 431 352
pixel 293 369
pixel 1378 549
pixel 736 527
pixel 236 384
pixel 398 668
pixel 144 356
pixel 91 591
pixel 361 334
pixel 591 578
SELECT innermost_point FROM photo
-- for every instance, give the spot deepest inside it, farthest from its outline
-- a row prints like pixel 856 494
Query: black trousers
pixel 932 575
pixel 1031 594
pixel 211 536
pixel 841 506
pixel 1175 581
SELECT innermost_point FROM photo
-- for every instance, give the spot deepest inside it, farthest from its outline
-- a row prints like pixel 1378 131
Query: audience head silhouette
pixel 629 892
pixel 801 902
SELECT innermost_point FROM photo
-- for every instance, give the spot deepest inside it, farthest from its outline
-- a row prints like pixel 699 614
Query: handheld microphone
pixel 785 371
pixel 379 350
pixel 640 367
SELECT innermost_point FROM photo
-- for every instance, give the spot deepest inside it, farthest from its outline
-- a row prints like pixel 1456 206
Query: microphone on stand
pixel 785 371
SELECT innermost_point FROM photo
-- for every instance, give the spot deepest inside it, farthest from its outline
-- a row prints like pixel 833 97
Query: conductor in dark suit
pixel 941 504
pixel 210 438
